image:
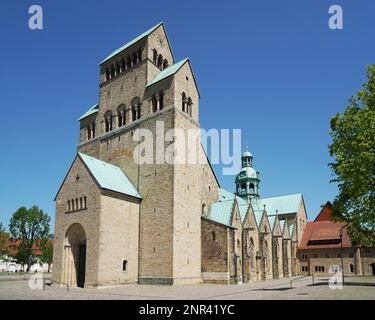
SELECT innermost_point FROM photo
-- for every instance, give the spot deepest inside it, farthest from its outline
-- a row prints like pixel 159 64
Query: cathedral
pixel 119 221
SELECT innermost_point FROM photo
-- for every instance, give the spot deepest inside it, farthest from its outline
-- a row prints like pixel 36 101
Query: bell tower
pixel 247 180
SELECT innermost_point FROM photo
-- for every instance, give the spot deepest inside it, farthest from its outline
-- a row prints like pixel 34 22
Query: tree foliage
pixel 353 150
pixel 3 240
pixel 47 253
pixel 31 228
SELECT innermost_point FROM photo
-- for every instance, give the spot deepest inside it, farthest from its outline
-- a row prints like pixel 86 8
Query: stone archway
pixel 74 265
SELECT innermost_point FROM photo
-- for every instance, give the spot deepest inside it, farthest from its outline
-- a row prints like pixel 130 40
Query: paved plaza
pixel 302 288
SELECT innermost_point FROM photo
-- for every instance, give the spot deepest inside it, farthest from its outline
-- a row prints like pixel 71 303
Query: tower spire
pixel 247 180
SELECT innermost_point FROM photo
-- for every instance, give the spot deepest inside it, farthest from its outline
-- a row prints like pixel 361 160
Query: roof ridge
pixel 167 72
pixel 285 195
pixel 131 42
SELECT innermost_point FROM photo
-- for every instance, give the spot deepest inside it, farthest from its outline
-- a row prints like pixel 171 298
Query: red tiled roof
pixel 325 213
pixel 324 234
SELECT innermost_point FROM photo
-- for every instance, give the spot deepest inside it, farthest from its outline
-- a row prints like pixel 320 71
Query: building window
pixel 121 115
pixel 157 101
pixel 165 64
pixel 160 62
pixel 213 235
pixel 352 268
pixel 204 209
pixel 136 109
pixel 68 206
pixel 85 202
pixel 124 265
pixel 155 56
pixel 184 102
pixel 108 121
pixel 91 131
pixel 81 203
pixel 154 104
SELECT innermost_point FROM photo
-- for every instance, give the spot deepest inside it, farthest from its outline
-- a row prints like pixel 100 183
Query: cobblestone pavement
pixel 271 289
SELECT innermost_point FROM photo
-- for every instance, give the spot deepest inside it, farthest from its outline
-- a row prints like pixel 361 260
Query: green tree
pixel 47 253
pixel 30 227
pixel 353 150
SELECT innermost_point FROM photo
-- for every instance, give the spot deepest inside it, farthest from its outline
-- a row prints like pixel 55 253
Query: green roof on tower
pixel 130 43
pixel 92 110
pixel 167 72
pixel 109 176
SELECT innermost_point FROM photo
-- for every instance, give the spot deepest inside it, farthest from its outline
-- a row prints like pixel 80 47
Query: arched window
pixel 161 101
pixel 134 58
pixel 108 121
pixel 184 102
pixel 128 62
pixel 139 55
pixel 124 265
pixel 122 63
pixel 252 187
pixel 136 108
pixel 155 56
pixel 121 115
pixel 204 209
pixel 160 62
pixel 107 75
pixel 213 235
pixel 112 72
pixel 68 206
pixel 189 105
pixel 117 68
pixel 352 268
pixel 154 104
pixel 165 64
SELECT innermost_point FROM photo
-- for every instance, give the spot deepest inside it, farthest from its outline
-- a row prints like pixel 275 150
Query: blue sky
pixel 271 68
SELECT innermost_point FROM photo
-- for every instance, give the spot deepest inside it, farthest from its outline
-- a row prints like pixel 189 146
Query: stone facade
pixel 177 226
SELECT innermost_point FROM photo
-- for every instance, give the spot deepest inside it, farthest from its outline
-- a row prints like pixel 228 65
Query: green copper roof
pixel 109 177
pixel 221 212
pixel 127 45
pixel 225 195
pixel 283 204
pixel 247 172
pixel 93 109
pixel 167 72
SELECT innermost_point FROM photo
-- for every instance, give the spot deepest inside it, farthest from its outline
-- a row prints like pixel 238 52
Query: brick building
pixel 326 246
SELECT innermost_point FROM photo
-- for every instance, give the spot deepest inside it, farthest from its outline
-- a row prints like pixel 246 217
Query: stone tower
pixel 142 87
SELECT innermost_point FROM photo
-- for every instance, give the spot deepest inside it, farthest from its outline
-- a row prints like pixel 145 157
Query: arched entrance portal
pixel 75 256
